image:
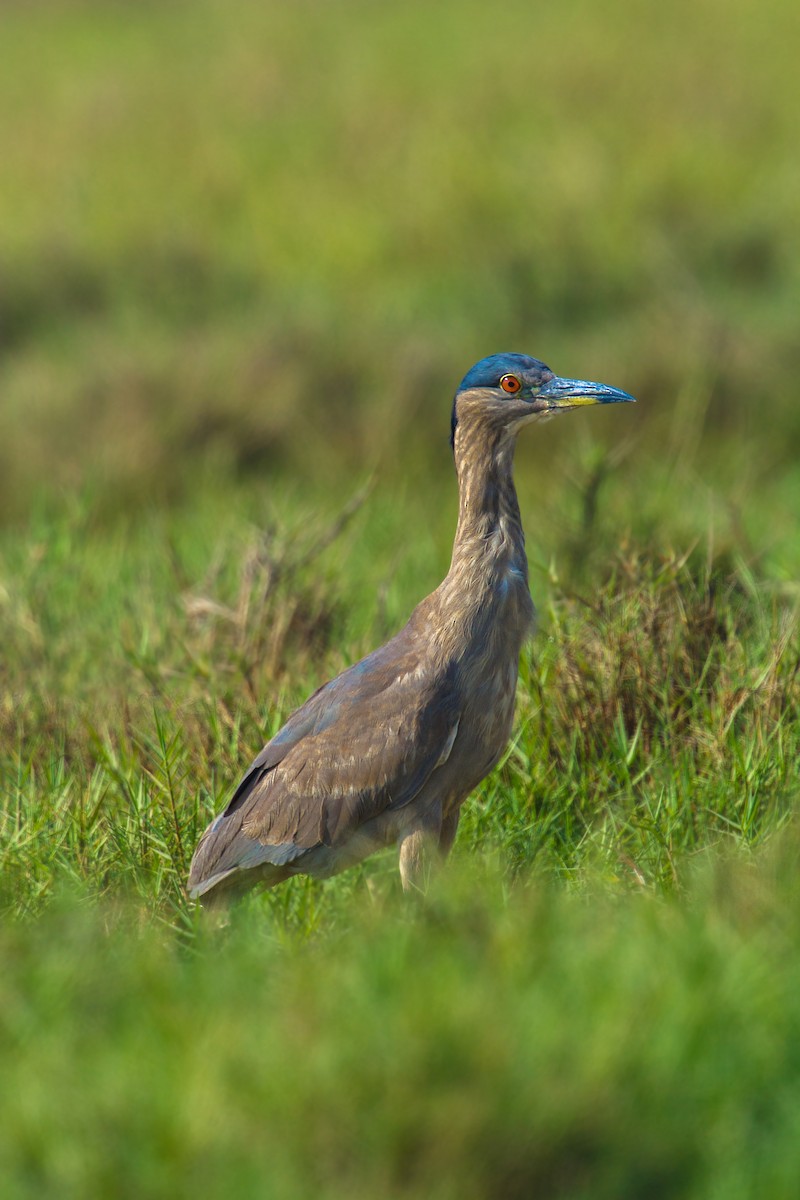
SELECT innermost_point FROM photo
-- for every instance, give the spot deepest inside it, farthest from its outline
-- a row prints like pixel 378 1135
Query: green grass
pixel 246 252
pixel 496 1043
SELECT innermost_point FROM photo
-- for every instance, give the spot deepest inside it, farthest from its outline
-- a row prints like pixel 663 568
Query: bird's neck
pixel 483 607
pixel 489 535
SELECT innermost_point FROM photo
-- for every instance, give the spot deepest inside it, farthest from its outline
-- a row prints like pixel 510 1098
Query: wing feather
pixel 364 743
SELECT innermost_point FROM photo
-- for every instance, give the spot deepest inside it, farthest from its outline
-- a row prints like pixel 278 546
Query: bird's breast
pixel 479 619
pixel 516 609
pixel 489 686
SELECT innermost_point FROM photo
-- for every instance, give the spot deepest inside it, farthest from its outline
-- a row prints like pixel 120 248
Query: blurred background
pixel 256 241
pixel 247 251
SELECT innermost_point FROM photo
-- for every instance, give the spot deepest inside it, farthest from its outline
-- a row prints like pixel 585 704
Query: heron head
pixel 509 390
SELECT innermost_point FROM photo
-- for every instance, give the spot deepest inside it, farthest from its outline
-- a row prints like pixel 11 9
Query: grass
pixel 614 1048
pixel 246 252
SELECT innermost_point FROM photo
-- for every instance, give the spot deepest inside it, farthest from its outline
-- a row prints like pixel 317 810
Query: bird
pixel 388 751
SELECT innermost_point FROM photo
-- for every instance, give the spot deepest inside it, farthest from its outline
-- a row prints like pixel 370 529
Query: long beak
pixel 571 393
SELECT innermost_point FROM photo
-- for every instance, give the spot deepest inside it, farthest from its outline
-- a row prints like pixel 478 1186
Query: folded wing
pixel 364 743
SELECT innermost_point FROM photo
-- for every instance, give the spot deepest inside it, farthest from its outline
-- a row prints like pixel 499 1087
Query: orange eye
pixel 510 384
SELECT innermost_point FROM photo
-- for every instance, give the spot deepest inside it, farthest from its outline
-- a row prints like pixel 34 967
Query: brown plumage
pixel 388 751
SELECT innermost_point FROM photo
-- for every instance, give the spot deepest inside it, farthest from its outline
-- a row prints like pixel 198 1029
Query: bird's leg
pixel 448 833
pixel 416 855
pixel 418 852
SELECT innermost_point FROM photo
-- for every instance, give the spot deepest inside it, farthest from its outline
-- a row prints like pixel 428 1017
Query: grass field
pixel 247 250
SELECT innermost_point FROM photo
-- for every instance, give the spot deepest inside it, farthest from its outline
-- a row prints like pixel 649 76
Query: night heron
pixel 388 751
